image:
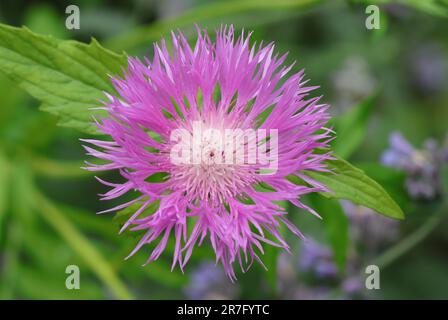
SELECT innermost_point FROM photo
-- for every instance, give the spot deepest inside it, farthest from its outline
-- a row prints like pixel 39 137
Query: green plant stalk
pixel 11 258
pixel 82 246
pixel 58 169
pixel 405 245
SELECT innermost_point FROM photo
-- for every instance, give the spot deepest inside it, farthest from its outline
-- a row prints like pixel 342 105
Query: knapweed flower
pixel 209 137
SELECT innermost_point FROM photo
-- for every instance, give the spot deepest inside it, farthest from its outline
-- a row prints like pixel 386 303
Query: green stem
pixel 81 246
pixel 58 169
pixel 412 240
pixel 11 262
pixel 405 245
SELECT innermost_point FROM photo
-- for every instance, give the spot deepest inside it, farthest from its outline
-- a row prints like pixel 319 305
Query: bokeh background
pixel 388 91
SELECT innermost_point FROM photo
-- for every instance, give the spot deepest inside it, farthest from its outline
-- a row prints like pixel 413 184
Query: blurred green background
pixel 377 81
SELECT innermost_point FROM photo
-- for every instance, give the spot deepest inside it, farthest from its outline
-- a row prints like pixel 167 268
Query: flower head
pixel 209 135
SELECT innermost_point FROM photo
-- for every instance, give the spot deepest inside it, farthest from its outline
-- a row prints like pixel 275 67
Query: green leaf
pixel 68 77
pixel 335 226
pixel 391 179
pixel 13 99
pixel 351 128
pixel 350 183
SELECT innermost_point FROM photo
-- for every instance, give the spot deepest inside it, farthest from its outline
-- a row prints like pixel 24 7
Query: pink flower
pixel 223 85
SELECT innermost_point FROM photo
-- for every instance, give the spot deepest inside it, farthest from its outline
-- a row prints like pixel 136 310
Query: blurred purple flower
pixel 423 166
pixel 369 228
pixel 302 292
pixel 352 285
pixel 400 154
pixel 317 259
pixel 428 69
pixel 316 276
pixel 289 284
pixel 208 281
